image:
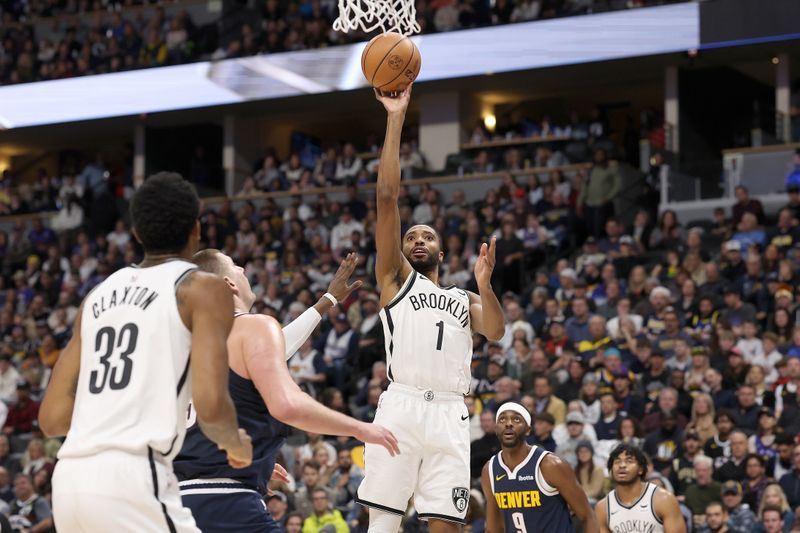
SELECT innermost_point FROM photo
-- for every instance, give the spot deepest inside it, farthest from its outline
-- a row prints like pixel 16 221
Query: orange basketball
pixel 390 62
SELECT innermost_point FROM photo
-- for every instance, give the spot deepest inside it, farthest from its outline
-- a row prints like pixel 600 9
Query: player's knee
pixel 383 522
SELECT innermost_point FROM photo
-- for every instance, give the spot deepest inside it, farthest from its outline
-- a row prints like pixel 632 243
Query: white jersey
pixel 428 336
pixel 638 518
pixel 134 383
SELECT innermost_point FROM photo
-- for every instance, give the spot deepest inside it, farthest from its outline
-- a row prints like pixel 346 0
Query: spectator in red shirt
pixel 23 414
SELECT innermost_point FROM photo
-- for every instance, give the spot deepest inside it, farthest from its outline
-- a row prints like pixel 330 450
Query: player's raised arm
pixel 263 354
pixel 55 413
pixel 486 313
pixel 299 330
pixel 206 301
pixel 561 476
pixel 494 518
pixel 600 512
pixel 391 266
pixel 667 509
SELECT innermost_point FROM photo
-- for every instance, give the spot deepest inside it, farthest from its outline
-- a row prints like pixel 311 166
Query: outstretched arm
pixel 391 267
pixel 561 476
pixel 263 354
pixel 299 330
pixel 55 414
pixel 485 311
pixel 494 518
pixel 667 509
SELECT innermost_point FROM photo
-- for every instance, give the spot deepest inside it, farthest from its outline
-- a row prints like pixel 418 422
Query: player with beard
pixel 428 331
pixel 528 488
pixel 634 505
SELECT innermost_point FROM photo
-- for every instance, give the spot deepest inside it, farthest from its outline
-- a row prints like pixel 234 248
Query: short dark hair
pixel 634 452
pixel 756 457
pixel 164 212
pixel 724 413
pixel 784 438
pixel 318 490
pixel 311 463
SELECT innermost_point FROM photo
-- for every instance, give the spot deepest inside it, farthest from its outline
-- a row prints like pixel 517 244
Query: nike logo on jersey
pixel 464 418
pixel 498 478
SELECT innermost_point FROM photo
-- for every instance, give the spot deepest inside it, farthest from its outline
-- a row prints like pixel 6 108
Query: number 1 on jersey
pixel 440 325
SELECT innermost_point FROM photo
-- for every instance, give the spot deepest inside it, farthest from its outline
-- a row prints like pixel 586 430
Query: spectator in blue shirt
pixel 793 179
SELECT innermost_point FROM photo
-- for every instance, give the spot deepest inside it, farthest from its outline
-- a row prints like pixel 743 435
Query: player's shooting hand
pixel 377 434
pixel 241 454
pixel 396 104
pixel 485 263
pixel 338 286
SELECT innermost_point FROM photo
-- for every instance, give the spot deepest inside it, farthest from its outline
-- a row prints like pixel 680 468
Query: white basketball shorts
pixel 432 429
pixel 116 491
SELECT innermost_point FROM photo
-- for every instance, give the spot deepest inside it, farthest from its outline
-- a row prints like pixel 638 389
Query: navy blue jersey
pixel 200 458
pixel 528 503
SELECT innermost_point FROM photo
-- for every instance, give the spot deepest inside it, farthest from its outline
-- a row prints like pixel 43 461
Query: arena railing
pixel 469 183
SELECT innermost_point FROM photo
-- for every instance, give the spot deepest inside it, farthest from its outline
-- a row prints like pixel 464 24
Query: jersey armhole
pixel 183 276
pixel 544 486
pixel 409 282
pixel 653 504
pixel 491 474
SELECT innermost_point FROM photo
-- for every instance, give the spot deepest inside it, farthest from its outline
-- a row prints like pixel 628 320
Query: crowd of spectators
pixel 109 36
pixel 683 340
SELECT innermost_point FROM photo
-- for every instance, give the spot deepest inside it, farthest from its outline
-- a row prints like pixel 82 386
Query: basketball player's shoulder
pixel 196 284
pixel 663 500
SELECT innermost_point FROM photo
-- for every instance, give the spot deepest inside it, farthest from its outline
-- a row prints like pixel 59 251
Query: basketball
pixel 390 62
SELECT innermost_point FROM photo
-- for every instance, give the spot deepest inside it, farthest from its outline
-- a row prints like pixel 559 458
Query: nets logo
pixel 460 498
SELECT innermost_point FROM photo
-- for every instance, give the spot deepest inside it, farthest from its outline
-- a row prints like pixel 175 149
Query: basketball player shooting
pixel 428 332
pixel 529 489
pixel 635 505
pixel 145 340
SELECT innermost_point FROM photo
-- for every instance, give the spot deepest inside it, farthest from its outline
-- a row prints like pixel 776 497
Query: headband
pixel 517 408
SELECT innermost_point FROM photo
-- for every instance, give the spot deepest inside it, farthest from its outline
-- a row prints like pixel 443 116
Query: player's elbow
pixel 386 194
pixel 285 409
pixel 212 408
pixel 51 425
pixel 495 334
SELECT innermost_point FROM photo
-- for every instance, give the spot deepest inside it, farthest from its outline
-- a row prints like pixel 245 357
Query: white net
pixel 369 15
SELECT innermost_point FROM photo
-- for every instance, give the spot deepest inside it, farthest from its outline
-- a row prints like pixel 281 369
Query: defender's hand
pixel 338 286
pixel 485 263
pixel 395 104
pixel 377 434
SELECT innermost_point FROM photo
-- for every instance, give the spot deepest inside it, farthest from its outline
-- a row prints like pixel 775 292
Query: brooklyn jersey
pixel 528 503
pixel 134 382
pixel 428 336
pixel 202 459
pixel 638 518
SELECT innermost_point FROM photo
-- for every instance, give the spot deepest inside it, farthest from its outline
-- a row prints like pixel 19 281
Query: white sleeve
pixel 297 331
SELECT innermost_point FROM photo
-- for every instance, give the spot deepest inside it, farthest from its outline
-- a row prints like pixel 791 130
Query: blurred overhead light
pixel 490 121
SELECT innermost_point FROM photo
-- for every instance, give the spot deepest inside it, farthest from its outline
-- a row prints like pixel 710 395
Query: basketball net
pixel 369 15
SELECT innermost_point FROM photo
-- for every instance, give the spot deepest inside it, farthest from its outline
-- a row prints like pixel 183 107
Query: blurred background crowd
pixel 680 337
